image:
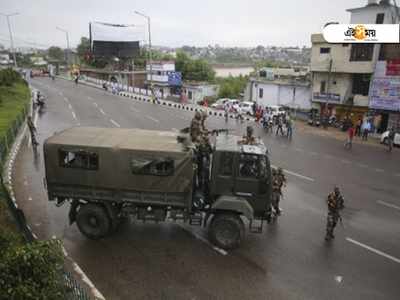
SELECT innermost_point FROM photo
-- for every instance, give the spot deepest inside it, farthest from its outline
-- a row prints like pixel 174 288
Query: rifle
pixel 218 131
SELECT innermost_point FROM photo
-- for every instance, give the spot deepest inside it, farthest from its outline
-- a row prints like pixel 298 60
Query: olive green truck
pixel 107 174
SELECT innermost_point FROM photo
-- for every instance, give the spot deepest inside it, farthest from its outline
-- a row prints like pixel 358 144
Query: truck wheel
pixel 226 230
pixel 93 221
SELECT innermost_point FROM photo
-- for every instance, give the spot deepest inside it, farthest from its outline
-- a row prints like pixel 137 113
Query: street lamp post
pixel 67 38
pixel 150 54
pixel 11 37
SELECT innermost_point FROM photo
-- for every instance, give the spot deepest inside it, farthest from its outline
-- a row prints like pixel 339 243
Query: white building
pixel 194 92
pixel 341 73
pixel 291 93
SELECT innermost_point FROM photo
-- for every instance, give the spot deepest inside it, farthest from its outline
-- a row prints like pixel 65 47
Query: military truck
pixel 108 174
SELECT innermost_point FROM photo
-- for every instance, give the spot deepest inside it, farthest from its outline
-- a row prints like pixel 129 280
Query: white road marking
pixel 174 129
pixel 90 98
pixel 38 224
pixel 362 165
pixel 135 109
pixel 25 182
pixel 376 251
pixel 66 99
pixel 29 198
pixel 60 93
pixel 379 170
pixel 200 238
pixel 73 115
pixel 328 156
pixel 70 106
pixel 95 104
pixel 102 111
pixel 388 204
pixel 151 118
pixel 345 161
pixel 115 123
pixel 313 153
pixel 338 279
pixel 398 175
pixel 296 174
pixel 298 149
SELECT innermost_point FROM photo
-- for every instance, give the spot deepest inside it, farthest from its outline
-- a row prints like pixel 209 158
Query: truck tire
pixel 93 221
pixel 226 230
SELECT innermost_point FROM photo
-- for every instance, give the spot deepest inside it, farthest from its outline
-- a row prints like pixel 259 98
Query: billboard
pixel 113 40
pixel 385 93
pixel 175 78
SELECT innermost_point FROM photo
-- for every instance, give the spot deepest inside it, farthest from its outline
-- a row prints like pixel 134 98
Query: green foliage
pixel 193 69
pixel 8 77
pixel 143 57
pixel 30 271
pixel 231 87
pixel 56 53
pixel 83 48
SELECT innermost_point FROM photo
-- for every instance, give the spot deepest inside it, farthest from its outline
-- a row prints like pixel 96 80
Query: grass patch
pixel 13 99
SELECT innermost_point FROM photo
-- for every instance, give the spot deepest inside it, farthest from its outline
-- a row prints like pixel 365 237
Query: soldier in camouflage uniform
pixel 195 128
pixel 334 206
pixel 276 192
pixel 249 139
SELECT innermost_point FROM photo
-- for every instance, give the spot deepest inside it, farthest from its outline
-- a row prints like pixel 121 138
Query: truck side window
pixel 156 167
pixel 226 164
pixel 248 166
pixel 78 159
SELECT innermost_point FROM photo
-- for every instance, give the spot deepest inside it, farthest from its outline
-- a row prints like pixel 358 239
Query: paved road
pixel 290 260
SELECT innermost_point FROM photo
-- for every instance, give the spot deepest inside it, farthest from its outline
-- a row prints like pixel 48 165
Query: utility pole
pixel 11 37
pixel 328 88
pixel 67 38
pixel 150 50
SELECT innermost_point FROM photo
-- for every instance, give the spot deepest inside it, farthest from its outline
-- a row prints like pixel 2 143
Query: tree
pixel 193 69
pixel 83 48
pixel 55 53
pixel 231 87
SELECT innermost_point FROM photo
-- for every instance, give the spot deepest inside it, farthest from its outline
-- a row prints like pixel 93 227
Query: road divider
pixel 153 119
pixel 114 123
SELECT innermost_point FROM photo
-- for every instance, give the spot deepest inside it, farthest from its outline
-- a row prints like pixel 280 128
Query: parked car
pixel 276 110
pixel 246 107
pixel 219 104
pixel 385 137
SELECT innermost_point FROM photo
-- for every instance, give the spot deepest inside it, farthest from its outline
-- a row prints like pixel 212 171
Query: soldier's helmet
pixel 197 115
pixel 249 130
pixel 204 114
pixel 336 190
pixel 273 171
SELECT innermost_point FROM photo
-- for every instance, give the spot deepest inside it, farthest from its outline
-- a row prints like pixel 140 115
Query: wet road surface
pixel 290 260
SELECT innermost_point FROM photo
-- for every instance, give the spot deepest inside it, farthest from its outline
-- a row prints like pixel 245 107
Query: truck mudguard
pixel 235 204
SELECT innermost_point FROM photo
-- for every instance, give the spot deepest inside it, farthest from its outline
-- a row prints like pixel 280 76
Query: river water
pixel 225 72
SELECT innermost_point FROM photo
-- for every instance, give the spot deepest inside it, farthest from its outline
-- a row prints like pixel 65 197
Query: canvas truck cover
pixel 117 158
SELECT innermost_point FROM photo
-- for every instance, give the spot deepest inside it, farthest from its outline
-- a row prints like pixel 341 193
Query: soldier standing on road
pixel 281 178
pixel 280 126
pixel 276 192
pixel 32 131
pixel 335 203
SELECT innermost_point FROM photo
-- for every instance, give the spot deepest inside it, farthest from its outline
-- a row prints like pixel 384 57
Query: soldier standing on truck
pixel 334 206
pixel 249 139
pixel 195 128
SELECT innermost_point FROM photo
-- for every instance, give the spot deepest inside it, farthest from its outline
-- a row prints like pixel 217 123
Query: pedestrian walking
pixel 358 127
pixel 289 127
pixel 391 135
pixel 334 206
pixel 280 126
pixel 366 128
pixel 76 79
pixel 350 135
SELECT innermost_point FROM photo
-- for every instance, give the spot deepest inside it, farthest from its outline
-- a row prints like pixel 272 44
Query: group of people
pixel 280 122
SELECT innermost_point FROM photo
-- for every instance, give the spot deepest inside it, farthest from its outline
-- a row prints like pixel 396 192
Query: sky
pixel 175 23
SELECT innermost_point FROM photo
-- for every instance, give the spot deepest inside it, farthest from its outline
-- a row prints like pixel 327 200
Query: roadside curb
pixel 8 183
pixel 167 103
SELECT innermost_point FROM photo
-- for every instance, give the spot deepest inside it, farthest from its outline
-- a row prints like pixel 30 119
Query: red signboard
pixel 393 67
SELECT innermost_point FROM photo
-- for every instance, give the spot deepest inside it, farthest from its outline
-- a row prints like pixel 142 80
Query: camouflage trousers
pixel 276 197
pixel 332 220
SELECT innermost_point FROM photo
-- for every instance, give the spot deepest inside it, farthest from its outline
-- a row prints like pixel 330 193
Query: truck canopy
pixel 118 159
